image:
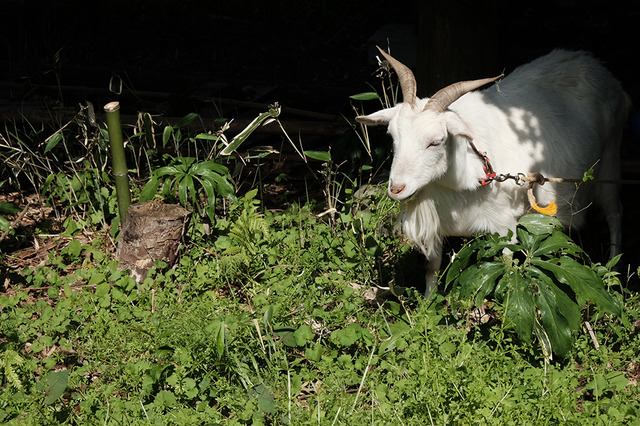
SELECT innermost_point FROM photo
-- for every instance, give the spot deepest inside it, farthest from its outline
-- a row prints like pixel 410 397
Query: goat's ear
pixel 456 127
pixel 377 118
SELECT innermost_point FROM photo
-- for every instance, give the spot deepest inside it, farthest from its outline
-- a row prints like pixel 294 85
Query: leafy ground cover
pixel 305 314
pixel 276 322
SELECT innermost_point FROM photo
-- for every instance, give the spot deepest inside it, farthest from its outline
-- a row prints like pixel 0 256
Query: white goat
pixel 558 116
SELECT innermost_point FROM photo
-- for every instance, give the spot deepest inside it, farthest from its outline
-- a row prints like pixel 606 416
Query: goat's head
pixel 421 129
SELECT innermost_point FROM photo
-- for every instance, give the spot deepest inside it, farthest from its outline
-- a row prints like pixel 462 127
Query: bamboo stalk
pixel 112 110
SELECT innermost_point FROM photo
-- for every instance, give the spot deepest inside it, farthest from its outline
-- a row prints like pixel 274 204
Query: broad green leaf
pixel 557 241
pixel 447 349
pixel 201 167
pixel 47 182
pixel 225 188
pixel 303 335
pixel 168 192
pixel 617 380
pixel 554 323
pixel 488 281
pixel 186 120
pixel 150 189
pixel 598 385
pixel 350 334
pixel 520 308
pixel 219 168
pixel 164 398
pixel 613 262
pixel 568 307
pixel 268 315
pixel 209 166
pixel 100 280
pixel 479 280
pixel 502 287
pixel 74 248
pixel 161 352
pixel 314 353
pixel 287 336
pixel 208 189
pixel 582 280
pixel 55 385
pixel 266 400
pixel 183 164
pixel 365 96
pixel 204 174
pixel 346 336
pixel 319 155
pixel 207 136
pixel 219 181
pixel 53 140
pixel 9 208
pixel 495 245
pixel 210 211
pixel 166 170
pixel 4 224
pixel 460 262
pixel 539 223
pixel 185 186
pixel 528 240
pixel 166 135
pixel 398 331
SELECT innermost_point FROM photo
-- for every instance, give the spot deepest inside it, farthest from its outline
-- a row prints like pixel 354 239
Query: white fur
pixel 558 116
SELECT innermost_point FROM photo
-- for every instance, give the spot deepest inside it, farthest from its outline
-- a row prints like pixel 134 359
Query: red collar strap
pixel 486 165
pixel 488 170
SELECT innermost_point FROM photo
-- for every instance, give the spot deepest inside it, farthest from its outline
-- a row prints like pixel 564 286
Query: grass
pixel 287 333
pixel 281 317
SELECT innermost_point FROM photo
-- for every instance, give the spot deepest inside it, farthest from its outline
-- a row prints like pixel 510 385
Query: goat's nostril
pixel 396 189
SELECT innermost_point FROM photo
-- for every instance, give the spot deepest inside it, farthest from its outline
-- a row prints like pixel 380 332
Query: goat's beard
pixel 421 223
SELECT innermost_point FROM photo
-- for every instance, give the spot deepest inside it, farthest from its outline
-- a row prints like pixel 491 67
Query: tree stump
pixel 152 231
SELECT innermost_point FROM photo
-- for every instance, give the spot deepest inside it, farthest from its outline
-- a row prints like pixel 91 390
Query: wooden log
pixel 152 231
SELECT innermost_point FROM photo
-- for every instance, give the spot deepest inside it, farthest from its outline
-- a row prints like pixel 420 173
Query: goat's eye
pixel 434 143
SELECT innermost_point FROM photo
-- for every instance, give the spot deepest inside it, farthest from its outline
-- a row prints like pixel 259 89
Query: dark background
pixel 308 55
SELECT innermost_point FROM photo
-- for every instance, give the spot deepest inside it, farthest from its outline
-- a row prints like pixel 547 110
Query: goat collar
pixel 486 164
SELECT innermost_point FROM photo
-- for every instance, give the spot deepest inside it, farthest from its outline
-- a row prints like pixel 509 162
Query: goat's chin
pixel 404 195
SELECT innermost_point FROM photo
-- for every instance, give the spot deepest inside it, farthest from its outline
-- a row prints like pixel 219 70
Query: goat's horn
pixel 405 76
pixel 445 97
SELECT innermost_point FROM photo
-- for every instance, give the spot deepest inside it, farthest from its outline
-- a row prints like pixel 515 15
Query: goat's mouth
pixel 400 192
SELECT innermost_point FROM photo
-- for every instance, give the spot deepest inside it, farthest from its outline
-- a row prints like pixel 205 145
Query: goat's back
pixel 565 79
pixel 559 115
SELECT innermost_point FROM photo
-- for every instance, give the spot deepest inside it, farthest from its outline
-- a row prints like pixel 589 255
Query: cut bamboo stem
pixel 119 161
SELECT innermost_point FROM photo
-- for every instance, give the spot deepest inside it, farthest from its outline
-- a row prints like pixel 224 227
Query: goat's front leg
pixel 433 266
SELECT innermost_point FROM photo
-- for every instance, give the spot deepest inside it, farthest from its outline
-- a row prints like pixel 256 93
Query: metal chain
pixel 519 178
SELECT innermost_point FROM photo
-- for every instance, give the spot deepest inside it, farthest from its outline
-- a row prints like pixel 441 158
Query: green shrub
pixel 542 286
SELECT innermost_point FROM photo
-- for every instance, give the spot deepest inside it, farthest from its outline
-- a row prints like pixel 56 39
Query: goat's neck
pixel 466 167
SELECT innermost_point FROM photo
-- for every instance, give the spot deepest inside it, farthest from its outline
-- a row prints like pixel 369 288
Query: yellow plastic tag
pixel 550 210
